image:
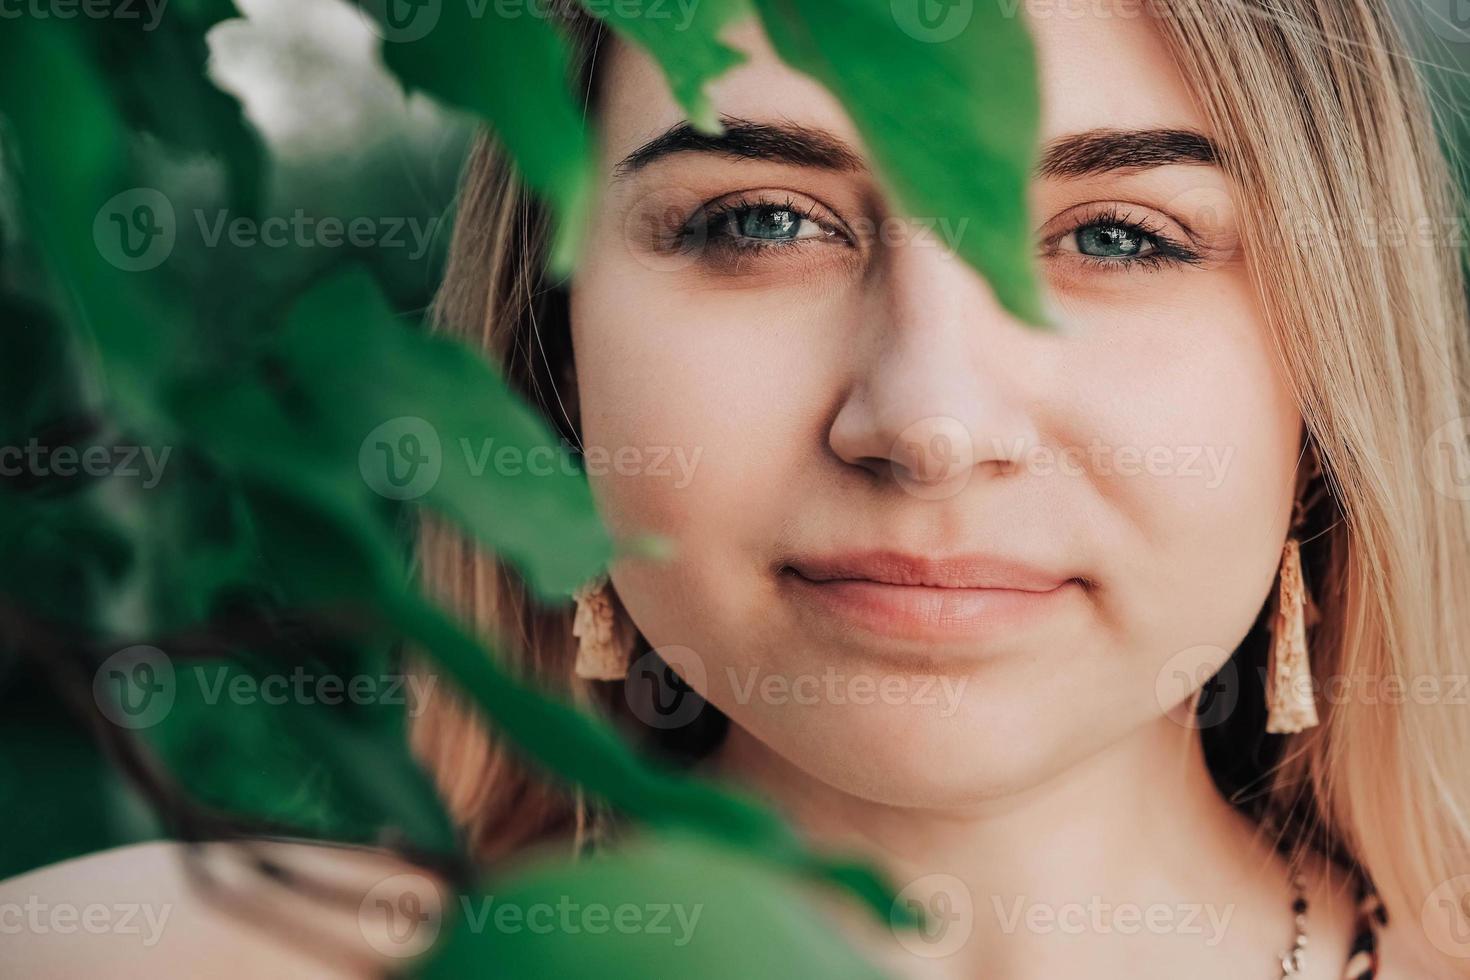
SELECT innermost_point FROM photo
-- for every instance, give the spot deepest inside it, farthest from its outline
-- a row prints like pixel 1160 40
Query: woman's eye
pixel 1120 241
pixel 1114 241
pixel 765 223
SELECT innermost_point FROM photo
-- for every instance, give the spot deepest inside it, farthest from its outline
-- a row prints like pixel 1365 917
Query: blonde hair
pixel 1324 126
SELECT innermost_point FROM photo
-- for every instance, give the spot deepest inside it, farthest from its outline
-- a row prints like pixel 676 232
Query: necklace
pixel 1292 960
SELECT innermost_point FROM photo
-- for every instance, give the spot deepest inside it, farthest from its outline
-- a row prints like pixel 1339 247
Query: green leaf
pixel 585 751
pixel 303 743
pixel 158 79
pixel 350 397
pixel 338 553
pixel 514 71
pixel 669 907
pixel 948 110
pixel 66 176
pixel 684 41
pixel 56 782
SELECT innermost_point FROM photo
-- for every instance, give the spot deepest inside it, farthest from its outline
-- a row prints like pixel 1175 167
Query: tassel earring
pixel 1290 701
pixel 605 639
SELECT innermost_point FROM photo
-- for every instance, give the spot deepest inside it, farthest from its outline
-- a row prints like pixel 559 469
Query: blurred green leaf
pixel 65 175
pixel 158 78
pixel 949 111
pixel 55 782
pixel 474 58
pixel 287 741
pixel 348 392
pixel 666 907
pixel 684 41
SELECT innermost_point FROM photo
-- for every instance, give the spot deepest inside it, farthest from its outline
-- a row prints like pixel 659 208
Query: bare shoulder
pixel 164 909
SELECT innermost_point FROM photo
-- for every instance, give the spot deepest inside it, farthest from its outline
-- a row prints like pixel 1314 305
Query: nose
pixel 938 394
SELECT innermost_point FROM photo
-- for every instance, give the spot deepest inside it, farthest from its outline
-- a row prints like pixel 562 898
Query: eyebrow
pixel 802 146
pixel 1083 154
pixel 1098 151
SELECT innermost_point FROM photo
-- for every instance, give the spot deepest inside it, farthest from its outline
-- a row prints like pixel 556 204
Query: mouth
pixel 908 597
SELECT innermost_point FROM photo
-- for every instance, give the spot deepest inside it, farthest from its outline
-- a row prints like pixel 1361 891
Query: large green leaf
pixel 65 175
pixel 684 40
pixel 666 907
pixel 55 781
pixel 948 109
pixel 513 71
pixel 391 413
pixel 157 77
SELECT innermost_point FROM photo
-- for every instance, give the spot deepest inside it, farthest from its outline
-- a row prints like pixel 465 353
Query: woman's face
pixel 923 552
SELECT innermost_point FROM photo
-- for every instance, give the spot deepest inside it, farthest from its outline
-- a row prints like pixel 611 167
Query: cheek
pixel 705 384
pixel 670 380
pixel 734 385
pixel 1201 435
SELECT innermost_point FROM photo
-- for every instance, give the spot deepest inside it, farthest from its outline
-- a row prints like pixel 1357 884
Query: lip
pixel 902 596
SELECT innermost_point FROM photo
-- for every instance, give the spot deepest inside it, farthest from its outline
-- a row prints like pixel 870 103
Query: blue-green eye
pixel 758 224
pixel 770 224
pixel 1114 241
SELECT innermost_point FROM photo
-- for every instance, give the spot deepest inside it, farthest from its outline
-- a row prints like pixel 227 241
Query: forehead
pixel 1100 65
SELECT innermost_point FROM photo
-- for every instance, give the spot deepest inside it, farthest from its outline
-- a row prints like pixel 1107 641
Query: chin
pixel 919 756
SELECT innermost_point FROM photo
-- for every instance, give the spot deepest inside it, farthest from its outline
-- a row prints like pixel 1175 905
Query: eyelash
pixel 1167 250
pixel 698 231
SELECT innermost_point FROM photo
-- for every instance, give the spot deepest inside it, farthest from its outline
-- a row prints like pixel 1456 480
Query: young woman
pixel 1010 612
pixel 998 607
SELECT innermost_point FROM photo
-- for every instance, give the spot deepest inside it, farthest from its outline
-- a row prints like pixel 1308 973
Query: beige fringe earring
pixel 605 638
pixel 1289 696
